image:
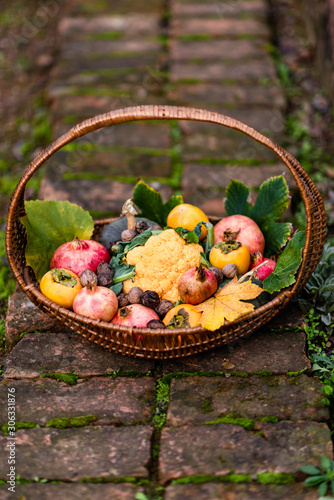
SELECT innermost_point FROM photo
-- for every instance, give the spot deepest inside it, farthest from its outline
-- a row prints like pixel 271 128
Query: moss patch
pixel 65 422
pixel 19 425
pixel 68 378
pixel 275 478
pixel 205 478
pixel 246 423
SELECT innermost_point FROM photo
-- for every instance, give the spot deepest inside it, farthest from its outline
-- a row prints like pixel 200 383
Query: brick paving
pixel 94 424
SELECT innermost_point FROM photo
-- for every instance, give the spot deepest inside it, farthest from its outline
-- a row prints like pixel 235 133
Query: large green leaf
pixel 49 224
pixel 150 202
pixel 270 203
pixel 287 265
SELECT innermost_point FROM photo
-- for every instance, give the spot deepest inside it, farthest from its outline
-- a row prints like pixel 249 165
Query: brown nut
pixel 88 277
pixel 135 295
pixel 104 279
pixel 123 300
pixel 230 270
pixel 104 267
pixel 141 226
pixel 150 299
pixel 218 273
pixel 155 324
pixel 128 234
pixel 163 308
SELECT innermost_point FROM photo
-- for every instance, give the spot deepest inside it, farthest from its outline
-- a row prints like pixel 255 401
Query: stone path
pixel 237 422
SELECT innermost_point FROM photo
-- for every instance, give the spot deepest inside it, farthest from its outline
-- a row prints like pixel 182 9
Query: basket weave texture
pixel 162 344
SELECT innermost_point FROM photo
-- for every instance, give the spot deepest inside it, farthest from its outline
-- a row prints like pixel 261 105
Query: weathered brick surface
pixel 219 9
pixel 129 26
pixel 197 176
pixel 101 195
pixel 24 316
pixel 120 400
pixel 75 454
pixel 64 353
pixel 207 50
pixel 263 350
pixel 219 27
pixel 71 492
pixel 216 491
pixel 221 449
pixel 214 71
pixel 75 49
pixel 235 95
pixel 86 7
pixel 197 400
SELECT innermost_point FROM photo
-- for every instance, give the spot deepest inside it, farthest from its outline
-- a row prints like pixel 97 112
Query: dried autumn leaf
pixel 227 303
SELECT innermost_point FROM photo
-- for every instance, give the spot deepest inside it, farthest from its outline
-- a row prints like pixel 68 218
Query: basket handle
pixel 313 202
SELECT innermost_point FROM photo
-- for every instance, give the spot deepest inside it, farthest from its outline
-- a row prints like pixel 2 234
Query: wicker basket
pixel 162 344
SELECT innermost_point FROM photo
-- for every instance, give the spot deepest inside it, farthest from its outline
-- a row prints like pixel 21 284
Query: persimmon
pixel 236 253
pixel 60 286
pixel 187 216
pixel 182 316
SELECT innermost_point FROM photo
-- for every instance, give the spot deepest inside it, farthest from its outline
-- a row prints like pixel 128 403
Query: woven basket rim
pixel 314 207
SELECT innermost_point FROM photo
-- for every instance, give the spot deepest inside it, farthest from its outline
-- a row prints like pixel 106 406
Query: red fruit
pixel 248 231
pixel 263 272
pixel 96 302
pixel 197 285
pixel 134 315
pixel 79 255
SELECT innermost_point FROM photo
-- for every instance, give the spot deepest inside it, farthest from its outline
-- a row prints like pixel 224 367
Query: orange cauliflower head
pixel 160 262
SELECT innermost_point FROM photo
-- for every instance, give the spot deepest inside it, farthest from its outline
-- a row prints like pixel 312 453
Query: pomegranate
pixel 248 232
pixel 134 315
pixel 96 302
pixel 263 272
pixel 197 285
pixel 79 255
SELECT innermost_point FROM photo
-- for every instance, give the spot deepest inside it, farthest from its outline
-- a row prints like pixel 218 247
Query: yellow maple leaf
pixel 227 303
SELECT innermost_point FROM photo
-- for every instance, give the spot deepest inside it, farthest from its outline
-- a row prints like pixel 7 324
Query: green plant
pixel 322 476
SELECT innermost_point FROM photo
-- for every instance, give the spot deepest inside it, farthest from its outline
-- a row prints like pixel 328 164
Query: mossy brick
pixel 72 491
pixel 102 62
pixel 222 449
pixel 263 350
pixel 86 7
pixel 121 400
pixel 219 26
pixel 65 353
pixel 219 9
pixel 198 176
pixel 102 195
pixel 254 397
pixel 215 49
pixel 229 491
pixel 250 72
pixel 233 95
pixel 75 454
pixel 108 164
pixel 111 48
pixel 23 316
pixel 269 122
pixel 132 25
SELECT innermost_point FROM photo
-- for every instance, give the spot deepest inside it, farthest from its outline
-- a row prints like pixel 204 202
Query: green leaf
pixel 236 198
pixel 310 469
pixel 188 236
pixel 49 224
pixel 322 489
pixel 150 202
pixel 287 265
pixel 117 289
pixel 204 261
pixel 312 481
pixel 325 462
pixel 270 203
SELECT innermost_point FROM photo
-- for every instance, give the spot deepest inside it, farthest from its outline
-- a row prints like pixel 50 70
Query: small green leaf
pixel 64 278
pixel 287 265
pixel 117 289
pixel 310 469
pixel 325 462
pixel 322 489
pixel 204 261
pixel 49 224
pixel 150 202
pixel 313 481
